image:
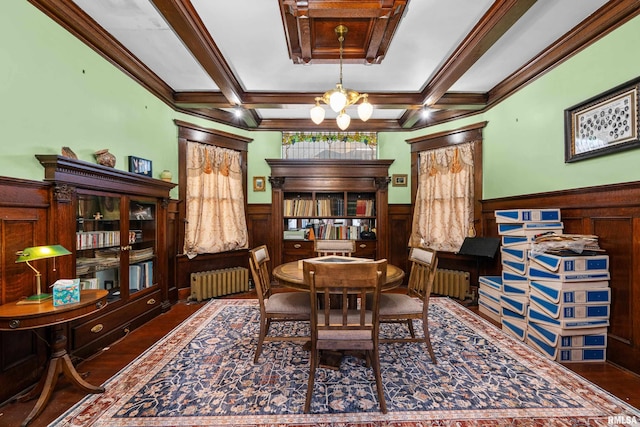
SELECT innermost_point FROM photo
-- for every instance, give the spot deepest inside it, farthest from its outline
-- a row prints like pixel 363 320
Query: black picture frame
pixel 140 166
pixel 604 124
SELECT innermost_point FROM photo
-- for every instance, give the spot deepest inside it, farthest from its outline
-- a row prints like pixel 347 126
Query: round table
pixel 290 274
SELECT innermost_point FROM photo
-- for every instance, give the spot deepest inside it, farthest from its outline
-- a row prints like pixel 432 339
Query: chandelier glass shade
pixel 340 98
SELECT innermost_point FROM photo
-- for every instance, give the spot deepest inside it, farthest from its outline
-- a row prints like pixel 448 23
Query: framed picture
pixel 259 183
pixel 604 124
pixel 398 180
pixel 140 166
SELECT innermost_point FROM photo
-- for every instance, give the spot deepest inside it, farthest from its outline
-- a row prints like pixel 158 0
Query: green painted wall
pixel 57 92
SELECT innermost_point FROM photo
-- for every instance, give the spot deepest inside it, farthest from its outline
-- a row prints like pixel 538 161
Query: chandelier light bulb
pixel 338 99
pixel 365 110
pixel 343 120
pixel 317 114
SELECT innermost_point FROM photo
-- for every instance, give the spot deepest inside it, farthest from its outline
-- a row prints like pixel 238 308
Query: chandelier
pixel 340 98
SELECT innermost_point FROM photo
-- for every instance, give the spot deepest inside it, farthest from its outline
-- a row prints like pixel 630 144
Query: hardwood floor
pixel 102 366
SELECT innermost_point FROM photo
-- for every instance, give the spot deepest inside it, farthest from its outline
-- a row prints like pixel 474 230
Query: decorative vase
pixel 166 175
pixel 105 158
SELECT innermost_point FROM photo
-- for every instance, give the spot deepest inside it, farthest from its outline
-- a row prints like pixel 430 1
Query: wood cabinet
pixel 337 199
pixel 114 223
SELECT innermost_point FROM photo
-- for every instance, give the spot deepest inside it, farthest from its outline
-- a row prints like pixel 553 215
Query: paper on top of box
pixel 558 291
pixel 514 253
pixel 515 303
pixel 515 328
pixel 489 293
pixel 565 264
pixel 528 228
pixel 494 282
pixel 541 273
pixel 537 315
pixel 527 215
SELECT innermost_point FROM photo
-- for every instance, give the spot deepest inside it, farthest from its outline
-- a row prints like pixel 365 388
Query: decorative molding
pixel 63 193
pixel 277 182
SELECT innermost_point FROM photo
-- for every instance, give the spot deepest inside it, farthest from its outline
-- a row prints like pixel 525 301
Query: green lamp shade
pixel 41 252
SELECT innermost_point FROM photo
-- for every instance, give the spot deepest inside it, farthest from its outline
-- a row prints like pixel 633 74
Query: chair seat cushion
pixel 399 304
pixel 288 302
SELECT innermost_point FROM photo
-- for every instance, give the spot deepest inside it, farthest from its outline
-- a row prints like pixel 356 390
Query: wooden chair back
pixel 340 317
pixel 259 264
pixel 424 262
pixel 334 247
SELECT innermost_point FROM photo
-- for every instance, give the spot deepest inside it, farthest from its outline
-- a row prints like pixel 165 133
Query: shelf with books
pixel 349 201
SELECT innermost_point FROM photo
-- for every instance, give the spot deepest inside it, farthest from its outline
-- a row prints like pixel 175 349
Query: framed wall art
pixel 140 166
pixel 604 124
pixel 399 180
pixel 259 183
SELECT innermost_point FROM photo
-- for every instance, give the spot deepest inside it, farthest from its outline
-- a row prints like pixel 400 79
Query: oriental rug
pixel 202 374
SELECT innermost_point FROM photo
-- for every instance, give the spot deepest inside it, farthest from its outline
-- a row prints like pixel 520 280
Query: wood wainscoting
pixel 611 212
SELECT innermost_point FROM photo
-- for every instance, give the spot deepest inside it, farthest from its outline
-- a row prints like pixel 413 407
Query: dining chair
pixel 404 308
pixel 275 307
pixel 339 325
pixel 325 247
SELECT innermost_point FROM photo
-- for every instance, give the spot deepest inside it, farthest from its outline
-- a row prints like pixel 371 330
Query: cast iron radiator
pixel 453 283
pixel 216 283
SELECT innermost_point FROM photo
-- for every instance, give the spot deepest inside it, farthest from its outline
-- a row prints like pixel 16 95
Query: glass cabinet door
pixel 142 244
pixel 98 243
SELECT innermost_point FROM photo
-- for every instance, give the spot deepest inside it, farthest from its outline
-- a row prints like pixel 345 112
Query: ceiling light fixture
pixel 340 98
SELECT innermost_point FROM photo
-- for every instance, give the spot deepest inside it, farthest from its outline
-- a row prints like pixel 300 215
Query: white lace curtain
pixel 215 201
pixel 443 214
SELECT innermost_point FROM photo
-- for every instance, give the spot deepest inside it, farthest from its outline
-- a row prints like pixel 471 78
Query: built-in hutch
pixel 329 199
pixel 114 223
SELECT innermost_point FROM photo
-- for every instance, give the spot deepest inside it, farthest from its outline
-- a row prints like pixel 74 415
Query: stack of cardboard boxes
pixel 556 302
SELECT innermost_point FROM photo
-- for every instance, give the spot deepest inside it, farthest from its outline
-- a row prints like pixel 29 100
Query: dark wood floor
pixel 101 367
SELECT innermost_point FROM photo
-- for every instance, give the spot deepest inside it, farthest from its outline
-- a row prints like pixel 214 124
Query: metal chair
pixel 275 307
pixel 342 326
pixel 403 308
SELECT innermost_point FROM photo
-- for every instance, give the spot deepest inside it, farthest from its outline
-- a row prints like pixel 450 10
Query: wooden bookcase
pixel 338 199
pixel 114 223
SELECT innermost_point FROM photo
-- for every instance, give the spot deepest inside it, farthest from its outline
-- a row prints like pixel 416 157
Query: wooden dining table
pixel 290 274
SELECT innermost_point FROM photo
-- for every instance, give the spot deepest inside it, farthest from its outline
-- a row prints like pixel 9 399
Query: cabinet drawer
pixel 366 249
pixel 95 328
pixel 297 249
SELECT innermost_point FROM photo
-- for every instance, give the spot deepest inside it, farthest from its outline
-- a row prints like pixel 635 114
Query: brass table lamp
pixel 35 253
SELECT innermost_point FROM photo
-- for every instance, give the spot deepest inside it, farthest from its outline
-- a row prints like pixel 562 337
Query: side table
pixel 15 317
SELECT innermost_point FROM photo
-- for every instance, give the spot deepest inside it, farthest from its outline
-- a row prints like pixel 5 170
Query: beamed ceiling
pixel 259 64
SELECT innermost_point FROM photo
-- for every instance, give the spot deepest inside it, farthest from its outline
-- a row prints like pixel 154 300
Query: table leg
pixel 60 363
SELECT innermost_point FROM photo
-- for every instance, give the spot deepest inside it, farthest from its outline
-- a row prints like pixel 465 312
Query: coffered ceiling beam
pixel 186 23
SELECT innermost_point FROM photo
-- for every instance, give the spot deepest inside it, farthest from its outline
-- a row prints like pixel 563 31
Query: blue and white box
pixel 514 284
pixel 515 303
pixel 66 291
pixel 514 253
pixel 510 314
pixel 582 355
pixel 537 315
pixel 527 215
pixel 541 273
pixel 566 264
pixel 573 292
pixel 489 308
pixel 521 242
pixel 569 311
pixel 518 267
pixel 489 293
pixel 494 282
pixel 529 228
pixel 516 328
pixel 558 337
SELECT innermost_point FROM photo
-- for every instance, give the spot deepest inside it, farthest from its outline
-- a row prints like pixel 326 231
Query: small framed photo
pixel 604 124
pixel 399 180
pixel 259 183
pixel 139 166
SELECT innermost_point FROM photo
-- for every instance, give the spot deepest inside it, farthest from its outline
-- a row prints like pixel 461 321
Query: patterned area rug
pixel 202 374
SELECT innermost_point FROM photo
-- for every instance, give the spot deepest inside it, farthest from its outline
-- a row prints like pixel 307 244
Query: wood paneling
pixel 612 213
pixel 23 223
